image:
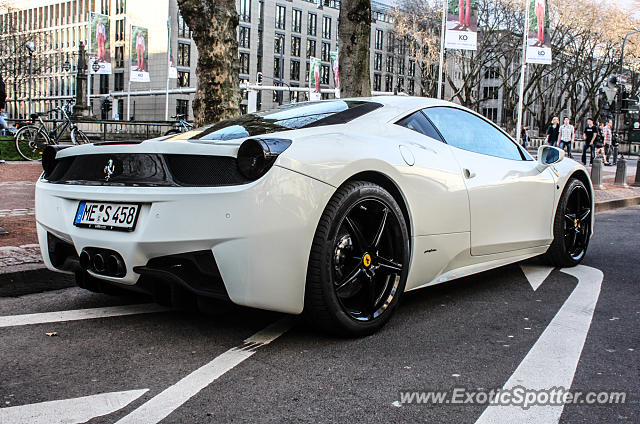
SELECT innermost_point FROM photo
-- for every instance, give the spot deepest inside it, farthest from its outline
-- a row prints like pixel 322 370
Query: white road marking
pixel 553 359
pixel 163 404
pixel 16 212
pixel 80 314
pixel 536 274
pixel 68 411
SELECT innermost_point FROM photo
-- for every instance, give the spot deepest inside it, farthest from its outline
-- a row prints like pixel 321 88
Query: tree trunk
pixel 354 32
pixel 214 24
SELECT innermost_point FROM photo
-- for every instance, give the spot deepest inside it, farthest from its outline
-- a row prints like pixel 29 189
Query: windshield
pixel 288 117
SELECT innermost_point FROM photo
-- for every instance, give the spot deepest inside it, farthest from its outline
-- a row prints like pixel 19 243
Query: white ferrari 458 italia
pixel 332 208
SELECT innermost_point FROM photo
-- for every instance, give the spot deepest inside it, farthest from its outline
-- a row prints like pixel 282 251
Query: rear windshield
pixel 288 117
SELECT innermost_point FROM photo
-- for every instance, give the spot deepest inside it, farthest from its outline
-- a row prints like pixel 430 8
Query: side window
pixel 466 131
pixel 418 122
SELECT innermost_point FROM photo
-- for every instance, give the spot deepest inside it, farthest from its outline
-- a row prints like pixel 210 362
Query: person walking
pixel 567 136
pixel 553 132
pixel 524 136
pixel 600 141
pixel 608 139
pixel 590 134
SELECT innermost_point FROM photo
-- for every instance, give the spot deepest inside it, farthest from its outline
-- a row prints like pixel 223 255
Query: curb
pixel 608 205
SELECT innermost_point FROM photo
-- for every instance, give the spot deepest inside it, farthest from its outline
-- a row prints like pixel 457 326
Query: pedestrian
pixel 600 141
pixel 608 142
pixel 553 132
pixel 567 136
pixel 590 134
pixel 3 99
pixel 524 136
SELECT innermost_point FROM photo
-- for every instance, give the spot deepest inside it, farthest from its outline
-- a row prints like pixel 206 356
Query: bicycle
pixel 32 139
pixel 181 126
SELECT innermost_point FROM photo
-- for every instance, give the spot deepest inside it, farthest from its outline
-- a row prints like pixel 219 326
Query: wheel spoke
pixel 389 266
pixel 352 277
pixel 378 236
pixel 357 234
pixel 573 237
pixel 583 216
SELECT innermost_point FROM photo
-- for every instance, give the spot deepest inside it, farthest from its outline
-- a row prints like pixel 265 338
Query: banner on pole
pixel 100 52
pixel 462 25
pixel 173 71
pixel 538 42
pixel 314 78
pixel 139 53
pixel 335 65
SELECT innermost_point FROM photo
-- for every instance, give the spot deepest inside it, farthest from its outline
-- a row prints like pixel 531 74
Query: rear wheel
pixel 79 137
pixel 572 226
pixel 358 263
pixel 30 142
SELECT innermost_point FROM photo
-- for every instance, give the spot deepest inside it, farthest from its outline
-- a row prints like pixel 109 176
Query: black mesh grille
pixel 191 170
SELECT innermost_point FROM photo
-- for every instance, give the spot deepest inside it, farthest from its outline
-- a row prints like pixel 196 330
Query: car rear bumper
pixel 260 233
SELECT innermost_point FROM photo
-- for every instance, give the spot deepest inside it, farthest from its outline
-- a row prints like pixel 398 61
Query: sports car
pixel 330 209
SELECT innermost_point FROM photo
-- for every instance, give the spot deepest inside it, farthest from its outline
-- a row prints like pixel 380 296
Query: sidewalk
pixel 19 250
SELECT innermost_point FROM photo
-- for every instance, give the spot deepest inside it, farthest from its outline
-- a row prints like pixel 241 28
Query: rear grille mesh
pixel 146 169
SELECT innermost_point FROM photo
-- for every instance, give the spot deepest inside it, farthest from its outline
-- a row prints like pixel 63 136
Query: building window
pixel 278 44
pixel 120 7
pixel 183 29
pixel 119 35
pixel 118 81
pixel 311 48
pixel 306 73
pixel 245 10
pixel 412 87
pixel 295 70
pixel 104 84
pixel 104 8
pixel 184 54
pixel 312 24
pixel 377 62
pixel 324 74
pixel 490 92
pixel 244 37
pixel 379 38
pixel 377 82
pixel 184 78
pixel 276 67
pixel 491 73
pixel 281 15
pixel 259 63
pixel 400 85
pixel 119 57
pixel 296 20
pixel 182 107
pixel 388 83
pixel 389 63
pixel 490 113
pixel 326 27
pixel 391 42
pixel 412 68
pixel 326 47
pixel 244 63
pixel 401 65
pixel 295 46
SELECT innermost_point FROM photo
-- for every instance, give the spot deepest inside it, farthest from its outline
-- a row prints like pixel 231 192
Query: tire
pixel 173 131
pixel 30 142
pixel 571 226
pixel 358 263
pixel 79 137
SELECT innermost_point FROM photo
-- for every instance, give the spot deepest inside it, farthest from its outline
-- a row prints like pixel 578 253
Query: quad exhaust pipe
pixel 103 262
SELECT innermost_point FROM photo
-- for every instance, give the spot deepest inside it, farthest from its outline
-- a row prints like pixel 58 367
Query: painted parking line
pixel 553 359
pixel 80 314
pixel 66 411
pixel 163 404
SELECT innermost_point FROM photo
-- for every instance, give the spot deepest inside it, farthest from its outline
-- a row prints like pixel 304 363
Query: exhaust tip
pixel 99 262
pixel 114 265
pixel 85 260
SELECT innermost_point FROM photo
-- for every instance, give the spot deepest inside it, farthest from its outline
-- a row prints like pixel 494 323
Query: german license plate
pixel 107 216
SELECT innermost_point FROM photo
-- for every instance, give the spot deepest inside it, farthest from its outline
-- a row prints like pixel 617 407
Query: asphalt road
pixel 477 332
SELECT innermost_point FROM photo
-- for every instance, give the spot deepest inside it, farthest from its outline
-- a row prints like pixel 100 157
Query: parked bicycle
pixel 32 139
pixel 181 126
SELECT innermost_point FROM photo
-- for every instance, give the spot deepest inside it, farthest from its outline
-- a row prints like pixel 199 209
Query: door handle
pixel 468 173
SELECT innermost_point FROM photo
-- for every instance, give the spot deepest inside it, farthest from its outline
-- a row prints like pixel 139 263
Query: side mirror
pixel 548 155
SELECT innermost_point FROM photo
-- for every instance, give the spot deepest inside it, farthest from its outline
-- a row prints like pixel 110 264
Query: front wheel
pixel 79 137
pixel 572 226
pixel 31 141
pixel 358 262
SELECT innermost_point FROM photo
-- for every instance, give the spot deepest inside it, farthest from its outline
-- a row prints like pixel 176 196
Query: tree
pixel 214 24
pixel 354 32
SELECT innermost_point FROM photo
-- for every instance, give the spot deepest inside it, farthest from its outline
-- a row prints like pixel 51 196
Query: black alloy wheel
pixel 359 261
pixel 572 226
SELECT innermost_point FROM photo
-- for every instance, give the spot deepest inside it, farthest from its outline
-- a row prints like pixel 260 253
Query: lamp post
pixel 31 47
pixel 619 96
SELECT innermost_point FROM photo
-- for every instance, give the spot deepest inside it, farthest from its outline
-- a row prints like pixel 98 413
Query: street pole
pixel 129 101
pixel 523 70
pixel 442 34
pixel 30 83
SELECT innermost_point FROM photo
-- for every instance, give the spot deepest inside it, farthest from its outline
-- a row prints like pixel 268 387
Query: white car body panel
pixel 261 233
